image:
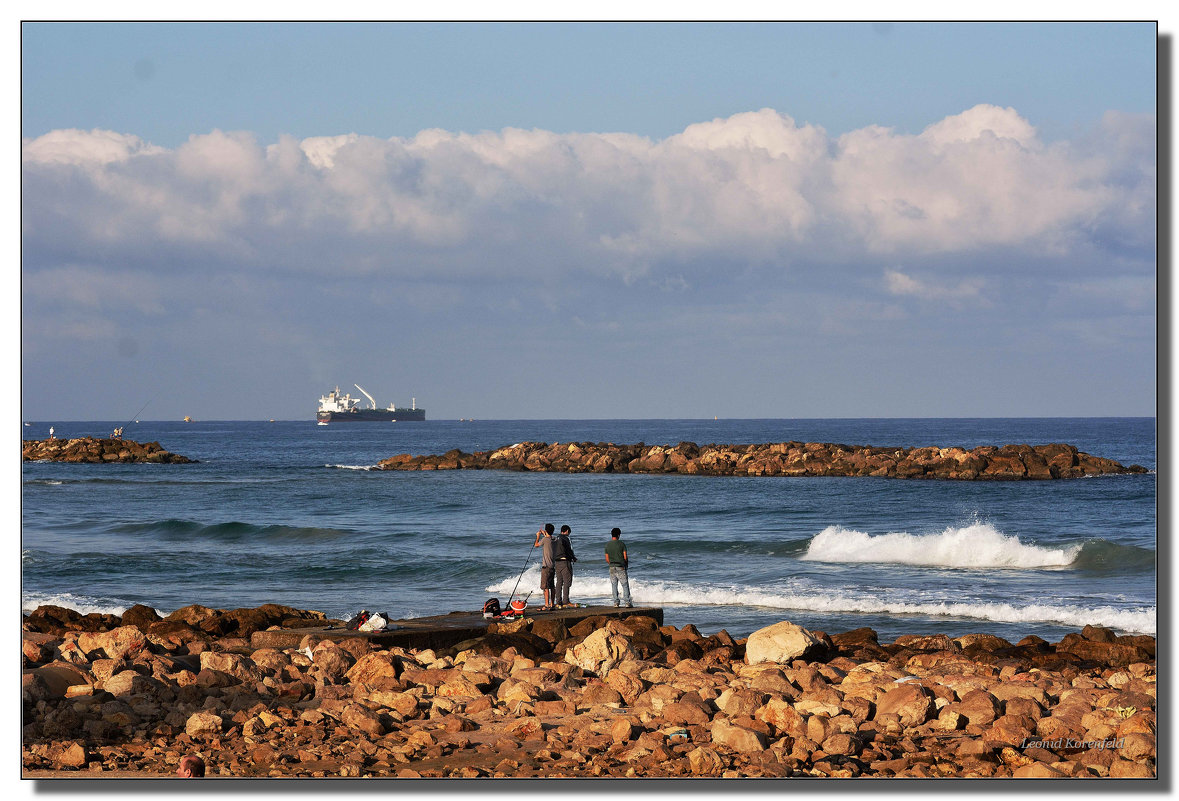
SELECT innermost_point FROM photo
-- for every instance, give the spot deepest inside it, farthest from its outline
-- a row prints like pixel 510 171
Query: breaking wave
pixel 976 545
pixel 1139 620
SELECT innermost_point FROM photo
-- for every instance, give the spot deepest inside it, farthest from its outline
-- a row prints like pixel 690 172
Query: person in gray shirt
pixel 544 538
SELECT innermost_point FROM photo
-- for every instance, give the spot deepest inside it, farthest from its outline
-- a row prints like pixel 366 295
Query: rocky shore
pixel 1010 462
pixel 129 695
pixel 97 451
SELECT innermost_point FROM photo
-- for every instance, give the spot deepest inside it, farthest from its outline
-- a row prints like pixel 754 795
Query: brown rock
pixel 979 707
pixel 203 725
pixel 363 719
pixel 843 743
pixel 737 738
pixel 70 755
pixel 124 641
pixel 623 731
pixel 690 709
pixel 911 702
pixel 1038 770
pixel 140 616
pixel 379 669
pixel 1128 769
pixel 704 761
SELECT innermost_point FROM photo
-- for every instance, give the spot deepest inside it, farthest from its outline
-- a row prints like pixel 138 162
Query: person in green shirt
pixel 618 562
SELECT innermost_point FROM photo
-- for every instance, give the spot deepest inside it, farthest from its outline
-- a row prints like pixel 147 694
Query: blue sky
pixel 589 220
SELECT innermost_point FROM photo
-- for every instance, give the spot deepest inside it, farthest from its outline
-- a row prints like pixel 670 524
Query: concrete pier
pixel 439 631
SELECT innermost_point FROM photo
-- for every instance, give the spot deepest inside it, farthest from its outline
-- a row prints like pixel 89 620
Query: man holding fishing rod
pixel 544 538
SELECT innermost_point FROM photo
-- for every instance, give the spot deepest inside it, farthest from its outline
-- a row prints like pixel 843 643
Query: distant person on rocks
pixel 563 560
pixel 544 538
pixel 51 432
pixel 191 767
pixel 618 562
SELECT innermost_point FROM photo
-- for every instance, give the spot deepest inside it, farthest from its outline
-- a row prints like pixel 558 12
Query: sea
pixel 291 512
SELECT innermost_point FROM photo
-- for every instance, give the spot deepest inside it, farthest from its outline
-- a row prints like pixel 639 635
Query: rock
pixel 690 709
pixel 911 702
pixel 363 719
pixel 979 707
pixel 128 682
pixel 1038 770
pixel 782 643
pixel 97 451
pixel 704 761
pixel 1041 462
pixel 58 677
pixel 140 616
pixel 623 731
pixel 124 641
pixel 600 651
pixel 843 743
pixel 380 669
pixel 70 755
pixel 240 667
pixel 737 738
pixel 202 725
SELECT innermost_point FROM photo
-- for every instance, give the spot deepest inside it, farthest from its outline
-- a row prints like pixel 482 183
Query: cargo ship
pixel 336 408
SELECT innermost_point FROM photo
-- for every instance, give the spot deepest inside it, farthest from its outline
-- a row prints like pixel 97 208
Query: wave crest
pixel 975 545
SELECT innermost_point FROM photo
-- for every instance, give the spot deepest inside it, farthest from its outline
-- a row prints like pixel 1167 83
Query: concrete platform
pixel 439 631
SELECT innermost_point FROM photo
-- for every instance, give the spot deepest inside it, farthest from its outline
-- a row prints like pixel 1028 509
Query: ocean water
pixel 287 512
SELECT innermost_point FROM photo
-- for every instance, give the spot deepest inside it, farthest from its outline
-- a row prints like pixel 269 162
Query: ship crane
pixel 372 402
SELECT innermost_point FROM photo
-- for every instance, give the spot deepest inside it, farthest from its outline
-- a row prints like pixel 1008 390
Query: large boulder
pixel 911 702
pixel 600 651
pixel 782 642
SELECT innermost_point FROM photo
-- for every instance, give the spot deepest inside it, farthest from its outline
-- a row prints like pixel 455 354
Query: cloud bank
pixel 756 187
pixel 753 224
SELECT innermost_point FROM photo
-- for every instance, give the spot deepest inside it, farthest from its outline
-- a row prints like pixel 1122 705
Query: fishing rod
pixel 526 561
pixel 135 417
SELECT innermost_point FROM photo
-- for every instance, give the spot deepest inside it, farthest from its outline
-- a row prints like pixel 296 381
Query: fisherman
pixel 544 538
pixel 563 560
pixel 617 560
pixel 51 432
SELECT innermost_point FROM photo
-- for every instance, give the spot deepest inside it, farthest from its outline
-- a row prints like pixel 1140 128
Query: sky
pixel 589 220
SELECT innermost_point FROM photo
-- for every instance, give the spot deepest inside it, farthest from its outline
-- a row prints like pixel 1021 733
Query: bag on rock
pixel 374 623
pixel 491 607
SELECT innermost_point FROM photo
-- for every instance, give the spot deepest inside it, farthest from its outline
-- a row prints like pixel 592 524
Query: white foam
pixel 350 466
pixel 82 604
pixel 1139 620
pixel 975 545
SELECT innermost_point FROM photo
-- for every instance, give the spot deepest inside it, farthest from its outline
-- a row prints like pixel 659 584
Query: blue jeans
pixel 617 575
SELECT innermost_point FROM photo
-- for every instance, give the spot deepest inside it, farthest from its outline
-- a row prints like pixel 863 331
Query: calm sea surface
pixel 286 513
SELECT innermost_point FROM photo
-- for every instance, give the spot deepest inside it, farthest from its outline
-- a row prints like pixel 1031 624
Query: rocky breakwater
pixel 1010 462
pixel 607 697
pixel 96 451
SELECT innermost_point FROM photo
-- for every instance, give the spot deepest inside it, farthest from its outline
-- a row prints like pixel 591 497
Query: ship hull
pixel 372 416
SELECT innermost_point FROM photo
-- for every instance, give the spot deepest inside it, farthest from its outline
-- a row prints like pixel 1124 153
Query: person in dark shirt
pixel 563 560
pixel 617 559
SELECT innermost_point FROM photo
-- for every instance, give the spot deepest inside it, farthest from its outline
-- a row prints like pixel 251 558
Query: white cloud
pixel 898 283
pixel 752 188
pixel 84 148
